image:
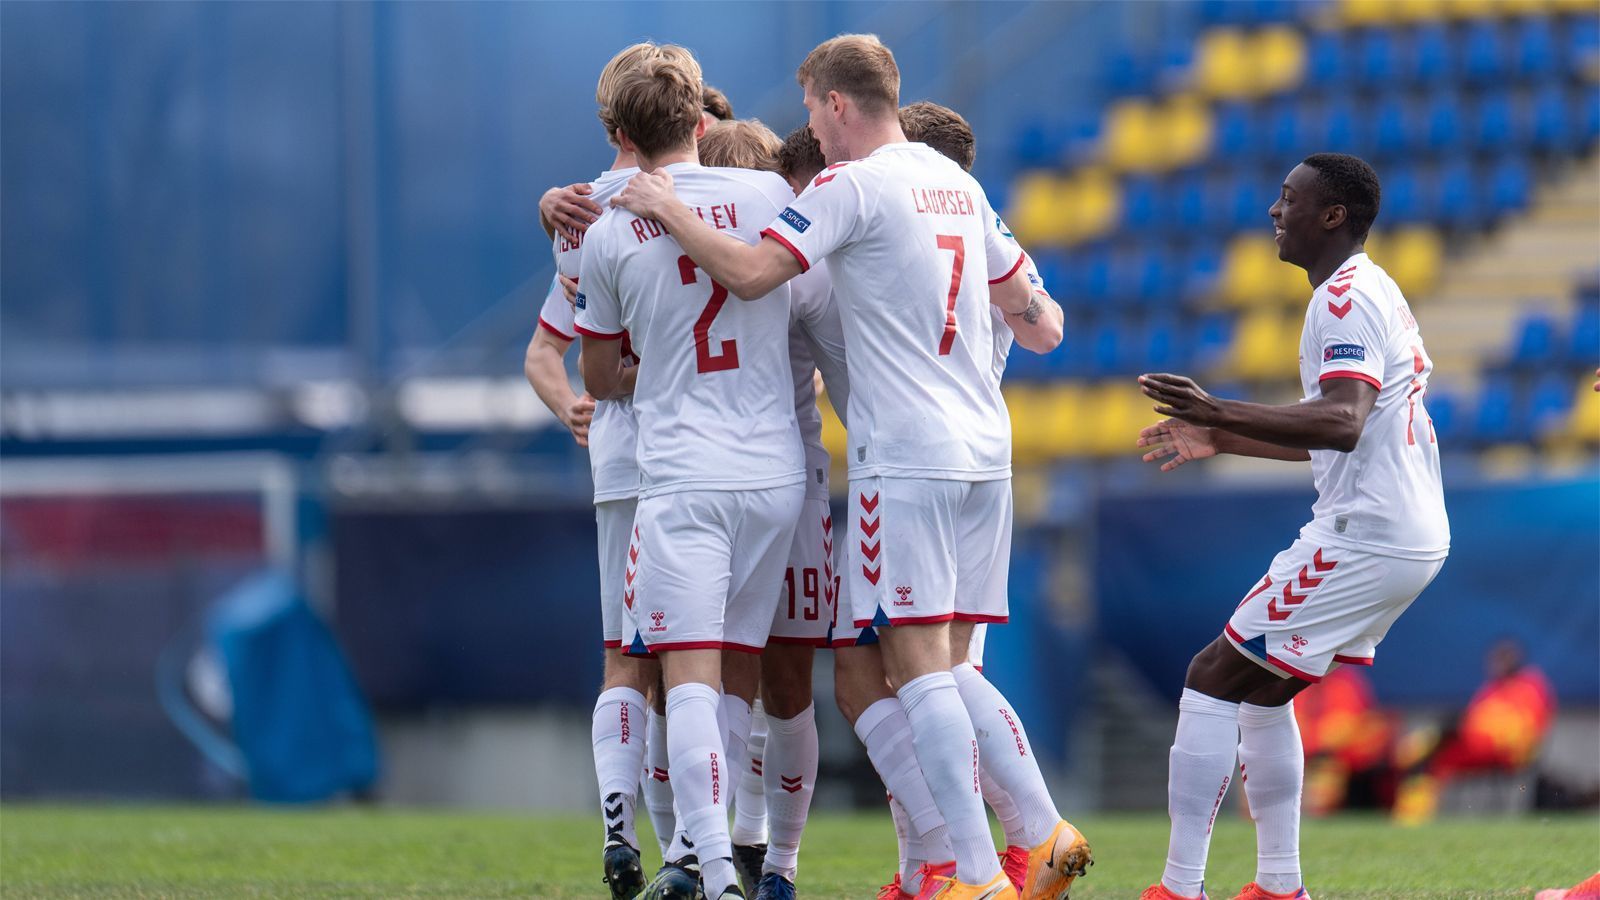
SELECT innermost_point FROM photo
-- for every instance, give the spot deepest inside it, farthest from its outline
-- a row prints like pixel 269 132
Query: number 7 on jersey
pixel 953 243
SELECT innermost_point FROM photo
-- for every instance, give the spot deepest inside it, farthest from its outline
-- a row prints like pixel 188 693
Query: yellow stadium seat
pixel 1027 444
pixel 1130 136
pixel 1527 7
pixel 1278 58
pixel 1413 257
pixel 1266 346
pixel 1186 128
pixel 1253 275
pixel 1419 10
pixel 1584 425
pixel 1220 65
pixel 1036 210
pixel 1573 6
pixel 1469 9
pixel 1368 12
pixel 1091 204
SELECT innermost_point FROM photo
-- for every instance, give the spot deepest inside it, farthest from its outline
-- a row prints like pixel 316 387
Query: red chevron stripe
pixel 627 598
pixel 1274 613
pixel 1338 290
pixel 792 785
pixel 660 775
pixel 827 547
pixel 1305 579
pixel 1290 598
pixel 1320 564
pixel 1264 585
pixel 827 522
pixel 633 553
pixel 872 574
pixel 629 575
pixel 871 551
pixel 870 528
pixel 869 507
pixel 1349 269
pixel 1340 311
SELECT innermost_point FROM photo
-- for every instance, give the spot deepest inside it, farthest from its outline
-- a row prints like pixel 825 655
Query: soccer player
pixel 805 613
pixel 721 469
pixel 624 724
pixel 929 433
pixel 1377 537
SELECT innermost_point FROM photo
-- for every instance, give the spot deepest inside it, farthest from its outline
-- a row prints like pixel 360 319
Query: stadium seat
pixel 1496 123
pixel 1535 342
pixel 1381 59
pixel 1496 419
pixel 1234 134
pixel 1443 116
pixel 1583 425
pixel 1210 337
pixel 1483 55
pixel 1553 129
pixel 1392 126
pixel 1549 404
pixel 1456 194
pixel 1280 133
pixel 1413 257
pixel 1188 201
pixel 1583 338
pixel 1162 346
pixel 1141 205
pixel 1433 59
pixel 1263 346
pixel 1404 196
pixel 1510 186
pixel 1444 409
pixel 1581 50
pixel 1327 58
pixel 1535 51
pixel 1199 269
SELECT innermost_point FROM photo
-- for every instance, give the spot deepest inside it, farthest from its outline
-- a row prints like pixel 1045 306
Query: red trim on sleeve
pixel 1346 373
pixel 982 618
pixel 555 331
pixel 599 335
pixel 1013 270
pixel 805 264
pixel 1352 660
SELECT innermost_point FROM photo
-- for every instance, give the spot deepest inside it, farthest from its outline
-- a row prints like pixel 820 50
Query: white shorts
pixel 806 609
pixel 709 568
pixel 613 521
pixel 928 550
pixel 1318 606
pixel 980 632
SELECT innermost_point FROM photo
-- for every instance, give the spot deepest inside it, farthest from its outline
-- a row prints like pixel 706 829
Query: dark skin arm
pixel 1333 421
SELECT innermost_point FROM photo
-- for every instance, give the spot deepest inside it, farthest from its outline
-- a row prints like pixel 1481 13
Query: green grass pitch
pixel 255 852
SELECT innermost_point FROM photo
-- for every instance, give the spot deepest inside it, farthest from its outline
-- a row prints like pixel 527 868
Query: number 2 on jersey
pixel 953 243
pixel 727 356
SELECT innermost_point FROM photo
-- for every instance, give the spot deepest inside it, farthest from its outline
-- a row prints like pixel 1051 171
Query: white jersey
pixel 715 394
pixel 614 431
pixel 912 246
pixel 1385 496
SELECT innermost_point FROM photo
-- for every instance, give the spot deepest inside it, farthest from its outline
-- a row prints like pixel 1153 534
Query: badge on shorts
pixel 796 221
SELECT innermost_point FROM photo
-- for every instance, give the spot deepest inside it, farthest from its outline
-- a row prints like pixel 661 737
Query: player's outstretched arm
pixel 749 271
pixel 547 373
pixel 1333 421
pixel 600 361
pixel 1183 442
pixel 569 210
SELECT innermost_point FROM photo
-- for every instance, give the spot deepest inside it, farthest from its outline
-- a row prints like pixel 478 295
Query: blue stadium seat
pixel 1497 420
pixel 1234 132
pixel 1327 58
pixel 1404 197
pixel 1432 55
pixel 1456 193
pixel 1549 402
pixel 1583 42
pixel 1248 197
pixel 1483 53
pixel 1200 266
pixel 1094 276
pixel 1552 120
pixel 1535 53
pixel 1338 129
pixel 1497 125
pixel 1589 118
pixel 1583 341
pixel 1210 336
pixel 1443 117
pixel 1381 57
pixel 1392 126
pixel 1510 186
pixel 1280 132
pixel 1106 346
pixel 1163 349
pixel 1188 196
pixel 1444 408
pixel 1053 265
pixel 1141 205
pixel 1535 343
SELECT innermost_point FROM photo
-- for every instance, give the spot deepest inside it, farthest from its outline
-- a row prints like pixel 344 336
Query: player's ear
pixel 626 144
pixel 1334 216
pixel 705 122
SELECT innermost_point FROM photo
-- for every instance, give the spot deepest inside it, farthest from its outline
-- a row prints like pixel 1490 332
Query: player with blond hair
pixel 721 469
pixel 915 257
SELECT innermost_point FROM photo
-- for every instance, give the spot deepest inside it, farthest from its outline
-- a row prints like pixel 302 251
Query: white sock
pixel 658 784
pixel 1006 754
pixel 790 781
pixel 947 750
pixel 1199 772
pixel 902 837
pixel 886 732
pixel 702 780
pixel 750 801
pixel 1272 766
pixel 1005 809
pixel 619 731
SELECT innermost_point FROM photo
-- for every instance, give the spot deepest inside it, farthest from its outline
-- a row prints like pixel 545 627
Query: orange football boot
pixel 1055 863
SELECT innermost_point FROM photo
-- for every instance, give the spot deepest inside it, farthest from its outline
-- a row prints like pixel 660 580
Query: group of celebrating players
pixel 712 272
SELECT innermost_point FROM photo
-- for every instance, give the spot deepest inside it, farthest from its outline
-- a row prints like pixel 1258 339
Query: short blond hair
pixel 656 104
pixel 858 66
pixel 740 144
pixel 941 128
pixel 626 59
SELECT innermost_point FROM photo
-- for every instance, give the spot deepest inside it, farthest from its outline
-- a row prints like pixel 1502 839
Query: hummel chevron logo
pixel 870 527
pixel 870 506
pixel 660 774
pixel 870 547
pixel 633 553
pixel 1290 599
pixel 870 551
pixel 827 523
pixel 1305 579
pixel 1321 565
pixel 1340 311
pixel 792 784
pixel 614 812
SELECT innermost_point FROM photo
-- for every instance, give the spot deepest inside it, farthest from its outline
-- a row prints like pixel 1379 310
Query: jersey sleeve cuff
pixel 805 264
pixel 1021 258
pixel 599 335
pixel 554 330
pixel 1346 373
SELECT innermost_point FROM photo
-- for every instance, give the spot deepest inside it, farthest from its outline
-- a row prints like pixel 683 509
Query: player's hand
pixel 570 210
pixel 1180 398
pixel 577 418
pixel 569 286
pixel 1179 440
pixel 646 194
